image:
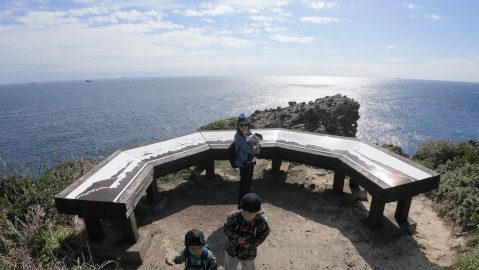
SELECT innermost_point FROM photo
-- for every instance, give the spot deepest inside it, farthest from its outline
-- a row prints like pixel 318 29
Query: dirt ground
pixel 310 227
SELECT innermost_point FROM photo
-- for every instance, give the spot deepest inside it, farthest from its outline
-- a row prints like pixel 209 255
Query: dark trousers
pixel 246 177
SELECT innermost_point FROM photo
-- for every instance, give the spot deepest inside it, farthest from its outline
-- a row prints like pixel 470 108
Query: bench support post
pixel 338 183
pixel 210 168
pixel 353 185
pixel 94 228
pixel 376 211
pixel 130 229
pixel 152 192
pixel 275 165
pixel 402 210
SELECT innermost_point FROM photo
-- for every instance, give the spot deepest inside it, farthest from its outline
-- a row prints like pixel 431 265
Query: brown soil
pixel 310 227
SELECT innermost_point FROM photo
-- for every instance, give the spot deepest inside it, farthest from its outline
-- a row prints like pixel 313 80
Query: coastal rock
pixel 336 115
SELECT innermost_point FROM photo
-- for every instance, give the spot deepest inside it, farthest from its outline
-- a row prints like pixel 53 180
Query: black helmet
pixel 194 237
pixel 251 203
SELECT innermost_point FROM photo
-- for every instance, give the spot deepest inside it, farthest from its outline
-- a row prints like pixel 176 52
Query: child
pixel 245 230
pixel 196 254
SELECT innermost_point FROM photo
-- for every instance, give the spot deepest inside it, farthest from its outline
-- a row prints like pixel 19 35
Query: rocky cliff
pixel 336 115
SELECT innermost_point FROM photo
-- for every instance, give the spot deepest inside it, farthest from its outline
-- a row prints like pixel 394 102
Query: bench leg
pixel 94 228
pixel 275 165
pixel 210 168
pixel 353 185
pixel 338 183
pixel 402 210
pixel 152 192
pixel 376 211
pixel 130 229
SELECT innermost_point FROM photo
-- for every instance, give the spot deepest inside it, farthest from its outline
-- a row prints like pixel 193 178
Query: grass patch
pixel 468 262
pixel 33 235
pixel 185 174
pixel 228 123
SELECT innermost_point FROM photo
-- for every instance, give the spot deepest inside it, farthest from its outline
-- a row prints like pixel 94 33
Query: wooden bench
pixel 113 189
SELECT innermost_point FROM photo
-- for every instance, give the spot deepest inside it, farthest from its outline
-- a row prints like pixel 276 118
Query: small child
pixel 196 254
pixel 245 230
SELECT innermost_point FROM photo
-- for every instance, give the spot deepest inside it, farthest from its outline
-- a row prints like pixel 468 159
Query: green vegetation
pixel 32 233
pixel 185 174
pixel 34 236
pixel 469 262
pixel 457 197
pixel 228 123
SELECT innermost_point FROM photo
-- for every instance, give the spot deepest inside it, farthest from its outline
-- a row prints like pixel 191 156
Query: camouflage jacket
pixel 255 232
pixel 196 261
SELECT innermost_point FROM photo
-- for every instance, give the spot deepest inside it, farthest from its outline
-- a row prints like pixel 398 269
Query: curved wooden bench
pixel 112 190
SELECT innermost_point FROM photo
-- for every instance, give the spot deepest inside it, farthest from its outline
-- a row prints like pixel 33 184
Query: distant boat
pixel 88 81
pixel 124 77
pixel 33 83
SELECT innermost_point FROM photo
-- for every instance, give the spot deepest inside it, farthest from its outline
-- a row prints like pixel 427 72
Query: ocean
pixel 48 121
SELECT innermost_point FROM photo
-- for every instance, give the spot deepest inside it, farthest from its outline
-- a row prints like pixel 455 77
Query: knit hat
pixel 251 203
pixel 194 237
pixel 242 119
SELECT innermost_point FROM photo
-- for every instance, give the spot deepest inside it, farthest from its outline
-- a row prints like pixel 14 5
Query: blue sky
pixel 47 40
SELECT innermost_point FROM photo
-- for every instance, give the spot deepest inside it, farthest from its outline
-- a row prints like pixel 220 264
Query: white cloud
pixel 5 13
pixel 275 29
pixel 209 10
pixel 391 47
pixel 238 7
pixel 291 39
pixel 261 18
pixel 317 19
pixel 411 6
pixel 256 4
pixel 48 39
pixel 192 13
pixel 280 12
pixel 216 10
pixel 87 11
pixel 434 17
pixel 42 19
pixel 130 15
pixel 318 5
pixel 249 31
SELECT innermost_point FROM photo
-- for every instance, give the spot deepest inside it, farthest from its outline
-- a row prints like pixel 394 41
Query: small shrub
pixel 458 194
pixel 3 265
pixel 473 241
pixel 228 123
pixel 433 153
pixel 185 174
pixel 59 242
pixel 468 263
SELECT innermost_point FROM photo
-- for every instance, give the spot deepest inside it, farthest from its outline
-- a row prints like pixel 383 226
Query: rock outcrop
pixel 336 115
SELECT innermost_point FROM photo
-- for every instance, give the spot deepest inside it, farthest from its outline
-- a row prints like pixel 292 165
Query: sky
pixel 50 40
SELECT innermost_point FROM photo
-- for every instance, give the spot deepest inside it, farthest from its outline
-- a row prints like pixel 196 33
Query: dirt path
pixel 310 227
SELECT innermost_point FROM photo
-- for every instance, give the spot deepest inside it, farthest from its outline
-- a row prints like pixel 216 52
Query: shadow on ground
pixel 340 213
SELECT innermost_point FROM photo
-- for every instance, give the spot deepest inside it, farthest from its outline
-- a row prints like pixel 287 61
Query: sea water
pixel 42 121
